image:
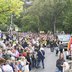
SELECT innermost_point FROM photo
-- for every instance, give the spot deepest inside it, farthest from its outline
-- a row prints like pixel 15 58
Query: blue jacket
pixel 41 55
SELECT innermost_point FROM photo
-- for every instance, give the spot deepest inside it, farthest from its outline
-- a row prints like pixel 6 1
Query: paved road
pixel 50 62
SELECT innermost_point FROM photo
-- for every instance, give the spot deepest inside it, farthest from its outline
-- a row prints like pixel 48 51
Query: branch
pixel 60 11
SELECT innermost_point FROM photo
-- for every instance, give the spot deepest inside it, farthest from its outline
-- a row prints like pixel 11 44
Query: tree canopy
pixel 8 7
pixel 40 14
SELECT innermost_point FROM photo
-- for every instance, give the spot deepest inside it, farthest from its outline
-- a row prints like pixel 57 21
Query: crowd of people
pixel 22 54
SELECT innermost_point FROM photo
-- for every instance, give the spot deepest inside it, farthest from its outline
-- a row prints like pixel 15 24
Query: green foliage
pixel 53 12
pixel 42 15
pixel 30 23
pixel 3 27
pixel 48 12
pixel 68 22
pixel 8 7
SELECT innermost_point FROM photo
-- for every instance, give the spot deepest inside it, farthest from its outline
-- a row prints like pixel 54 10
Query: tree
pixel 51 13
pixel 48 12
pixel 67 23
pixel 30 23
pixel 8 7
pixel 46 15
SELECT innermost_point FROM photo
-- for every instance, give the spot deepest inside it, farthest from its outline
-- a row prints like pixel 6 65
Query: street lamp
pixel 11 25
pixel 11 19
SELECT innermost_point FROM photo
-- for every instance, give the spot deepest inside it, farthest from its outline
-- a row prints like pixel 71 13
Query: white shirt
pixel 37 42
pixel 7 68
pixel 33 41
pixel 23 63
pixel 16 54
pixel 0 55
pixel 0 70
pixel 2 44
pixel 41 49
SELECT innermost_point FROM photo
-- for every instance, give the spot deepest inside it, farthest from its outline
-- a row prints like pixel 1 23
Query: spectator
pixel 12 63
pixel 15 53
pixel 7 68
pixel 24 44
pixel 61 47
pixel 25 67
pixel 0 69
pixel 27 47
pixel 16 67
pixel 29 59
pixel 34 59
pixel 1 53
pixel 41 57
pixel 56 48
pixel 52 46
pixel 24 53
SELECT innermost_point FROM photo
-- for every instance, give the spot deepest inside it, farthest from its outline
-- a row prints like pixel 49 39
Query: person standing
pixel 70 46
pixel 34 59
pixel 29 59
pixel 41 57
pixel 7 68
pixel 56 48
pixel 52 46
pixel 61 47
pixel 25 64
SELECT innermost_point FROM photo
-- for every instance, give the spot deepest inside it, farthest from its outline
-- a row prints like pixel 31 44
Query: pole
pixel 55 25
pixel 11 24
pixel 11 19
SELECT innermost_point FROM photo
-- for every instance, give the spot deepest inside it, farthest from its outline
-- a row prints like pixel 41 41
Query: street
pixel 50 62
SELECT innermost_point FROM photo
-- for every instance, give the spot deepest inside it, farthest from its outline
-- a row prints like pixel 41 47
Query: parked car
pixel 64 38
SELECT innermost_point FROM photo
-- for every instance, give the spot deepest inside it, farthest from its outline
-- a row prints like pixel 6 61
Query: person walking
pixel 56 48
pixel 61 47
pixel 41 57
pixel 52 46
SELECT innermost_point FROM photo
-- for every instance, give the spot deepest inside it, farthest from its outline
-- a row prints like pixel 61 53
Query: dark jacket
pixel 60 62
pixel 29 59
pixel 51 44
pixel 41 55
pixel 61 46
pixel 24 44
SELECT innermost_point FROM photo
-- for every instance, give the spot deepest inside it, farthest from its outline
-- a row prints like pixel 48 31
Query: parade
pixel 35 35
pixel 26 52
